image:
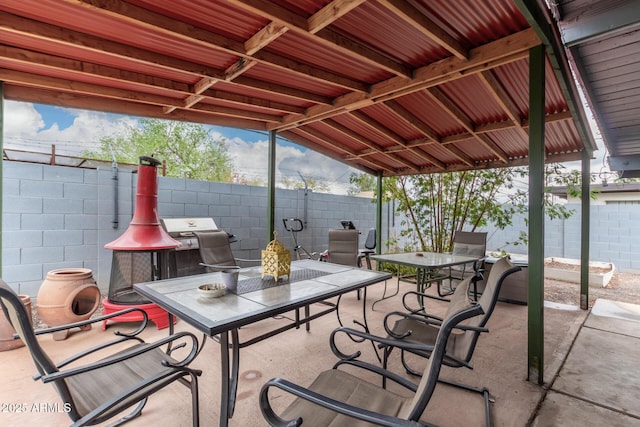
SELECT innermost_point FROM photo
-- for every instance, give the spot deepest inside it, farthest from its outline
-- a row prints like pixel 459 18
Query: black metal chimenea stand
pixel 144 252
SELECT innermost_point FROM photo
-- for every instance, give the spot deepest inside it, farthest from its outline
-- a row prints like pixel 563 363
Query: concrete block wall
pixel 614 229
pixel 61 217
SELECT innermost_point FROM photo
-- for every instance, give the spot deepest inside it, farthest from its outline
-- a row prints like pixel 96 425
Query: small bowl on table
pixel 212 290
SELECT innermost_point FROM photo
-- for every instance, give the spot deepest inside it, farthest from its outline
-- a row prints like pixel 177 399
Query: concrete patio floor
pixel 589 374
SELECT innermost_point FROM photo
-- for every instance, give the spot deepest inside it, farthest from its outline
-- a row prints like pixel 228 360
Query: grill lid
pixel 145 232
pixel 177 227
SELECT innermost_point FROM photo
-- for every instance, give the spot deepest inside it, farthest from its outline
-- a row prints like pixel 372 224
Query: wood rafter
pixel 387 134
pixel 447 105
pixel 165 25
pixel 502 98
pixel 298 135
pixel 73 39
pixel 317 75
pixel 411 15
pixel 372 148
pixel 315 27
pixel 511 48
pixel 431 136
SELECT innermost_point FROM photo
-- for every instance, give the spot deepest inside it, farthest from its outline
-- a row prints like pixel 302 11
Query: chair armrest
pixel 248 260
pixel 129 353
pixel 220 267
pixel 383 341
pixel 124 336
pixel 418 317
pixel 418 295
pixel 325 402
pixel 143 325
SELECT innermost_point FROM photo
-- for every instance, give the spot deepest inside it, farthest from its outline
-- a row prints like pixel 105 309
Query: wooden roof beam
pixel 23 26
pixel 315 27
pixel 419 21
pixel 499 52
pixel 448 106
pixel 371 146
pixel 136 15
pixel 500 95
pixel 82 101
pixel 295 136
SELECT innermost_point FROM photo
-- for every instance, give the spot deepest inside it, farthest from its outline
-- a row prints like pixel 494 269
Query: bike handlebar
pixel 293 224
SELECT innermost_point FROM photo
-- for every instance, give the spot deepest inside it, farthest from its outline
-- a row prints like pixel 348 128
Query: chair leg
pixel 481 390
pixel 135 413
pixel 195 406
pixel 385 359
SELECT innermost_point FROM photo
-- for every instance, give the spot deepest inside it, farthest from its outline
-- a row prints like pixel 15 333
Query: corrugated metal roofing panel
pixel 310 52
pixel 426 110
pixel 369 84
pixel 474 100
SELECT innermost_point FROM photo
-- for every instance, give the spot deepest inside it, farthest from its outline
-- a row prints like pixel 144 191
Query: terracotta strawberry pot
pixel 67 295
pixel 6 330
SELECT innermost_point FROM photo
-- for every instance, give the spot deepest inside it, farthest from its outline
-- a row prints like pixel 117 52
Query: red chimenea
pixel 143 253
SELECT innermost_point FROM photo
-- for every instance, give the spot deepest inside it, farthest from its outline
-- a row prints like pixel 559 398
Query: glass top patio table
pixel 429 260
pixel 432 262
pixel 257 299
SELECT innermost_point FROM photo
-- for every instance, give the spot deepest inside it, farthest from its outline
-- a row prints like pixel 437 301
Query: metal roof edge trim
pixel 540 20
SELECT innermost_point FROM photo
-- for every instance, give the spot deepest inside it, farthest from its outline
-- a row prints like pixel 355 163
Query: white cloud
pixel 26 129
pixel 250 160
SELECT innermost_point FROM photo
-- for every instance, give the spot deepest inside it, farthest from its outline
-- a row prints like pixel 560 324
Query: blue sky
pixel 65 117
pixel 36 127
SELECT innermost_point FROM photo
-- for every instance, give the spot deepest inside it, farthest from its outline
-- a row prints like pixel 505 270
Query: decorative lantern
pixel 276 259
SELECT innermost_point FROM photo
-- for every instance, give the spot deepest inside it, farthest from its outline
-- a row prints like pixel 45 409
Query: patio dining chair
pixel 343 248
pixel 215 251
pixel 101 390
pixel 338 398
pixel 369 248
pixel 419 327
pixel 465 243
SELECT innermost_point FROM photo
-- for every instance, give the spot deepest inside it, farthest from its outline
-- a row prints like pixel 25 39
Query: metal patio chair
pixel 215 251
pixel 100 390
pixel 369 248
pixel 421 328
pixel 343 247
pixel 338 398
pixel 465 243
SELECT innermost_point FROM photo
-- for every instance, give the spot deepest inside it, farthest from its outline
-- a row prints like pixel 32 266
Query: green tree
pixel 361 182
pixel 437 205
pixel 188 149
pixel 311 183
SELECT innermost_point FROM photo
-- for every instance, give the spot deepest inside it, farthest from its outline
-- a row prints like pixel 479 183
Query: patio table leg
pixel 229 372
pixel 224 371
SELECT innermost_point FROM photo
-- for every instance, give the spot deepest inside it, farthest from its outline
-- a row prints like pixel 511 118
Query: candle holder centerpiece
pixel 276 259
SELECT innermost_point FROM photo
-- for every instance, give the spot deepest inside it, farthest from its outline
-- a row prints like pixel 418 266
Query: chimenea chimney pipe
pixel 145 231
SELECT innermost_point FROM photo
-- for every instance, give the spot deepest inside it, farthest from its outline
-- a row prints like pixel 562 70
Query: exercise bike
pixel 294 226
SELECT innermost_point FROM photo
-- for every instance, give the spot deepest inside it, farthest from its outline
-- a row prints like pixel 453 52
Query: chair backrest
pixel 15 311
pixel 469 243
pixel 215 248
pixel 343 247
pixel 460 309
pixel 370 243
pixel 463 346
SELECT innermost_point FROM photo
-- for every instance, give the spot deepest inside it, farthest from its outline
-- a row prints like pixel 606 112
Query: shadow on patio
pixel 500 364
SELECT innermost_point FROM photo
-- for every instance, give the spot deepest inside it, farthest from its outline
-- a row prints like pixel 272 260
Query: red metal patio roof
pixel 390 86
